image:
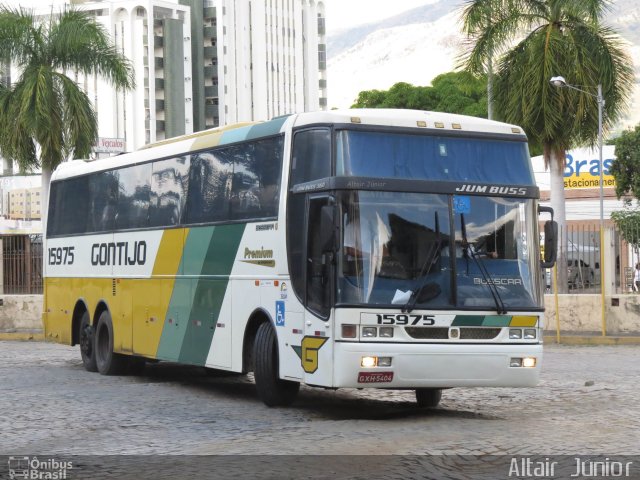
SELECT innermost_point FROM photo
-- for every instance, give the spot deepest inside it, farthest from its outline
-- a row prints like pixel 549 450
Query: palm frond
pixel 78 42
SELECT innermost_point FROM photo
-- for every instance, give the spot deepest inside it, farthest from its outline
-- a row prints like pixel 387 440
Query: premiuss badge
pixel 283 290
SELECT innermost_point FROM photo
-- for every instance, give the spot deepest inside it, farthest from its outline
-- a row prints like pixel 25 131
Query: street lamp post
pixel 560 82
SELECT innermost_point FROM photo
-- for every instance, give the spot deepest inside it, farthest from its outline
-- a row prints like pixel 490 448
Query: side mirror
pixel 328 230
pixel 550 244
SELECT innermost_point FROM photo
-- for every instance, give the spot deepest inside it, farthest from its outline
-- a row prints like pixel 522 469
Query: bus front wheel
pixel 428 397
pixel 86 341
pixel 108 362
pixel 273 391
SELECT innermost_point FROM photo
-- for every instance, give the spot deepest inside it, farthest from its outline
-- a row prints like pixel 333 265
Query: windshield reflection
pixel 398 244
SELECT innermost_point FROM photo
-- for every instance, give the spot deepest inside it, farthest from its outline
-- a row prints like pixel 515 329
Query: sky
pixel 343 14
pixel 340 14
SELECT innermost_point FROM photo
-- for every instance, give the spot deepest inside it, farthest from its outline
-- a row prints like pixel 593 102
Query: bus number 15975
pixel 405 319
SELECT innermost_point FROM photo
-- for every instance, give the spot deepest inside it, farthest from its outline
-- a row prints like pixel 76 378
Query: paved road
pixel 50 404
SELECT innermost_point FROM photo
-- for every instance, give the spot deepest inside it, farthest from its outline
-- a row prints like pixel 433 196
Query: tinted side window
pixel 311 155
pixel 210 179
pixel 103 202
pixel 169 184
pixel 134 184
pixel 256 179
pixel 68 207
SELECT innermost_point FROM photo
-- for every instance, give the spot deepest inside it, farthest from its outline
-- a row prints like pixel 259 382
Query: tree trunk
pixel 490 85
pixel 556 161
pixel 46 179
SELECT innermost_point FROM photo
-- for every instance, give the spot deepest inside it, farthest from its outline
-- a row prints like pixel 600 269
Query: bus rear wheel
pixel 428 397
pixel 273 391
pixel 108 362
pixel 86 341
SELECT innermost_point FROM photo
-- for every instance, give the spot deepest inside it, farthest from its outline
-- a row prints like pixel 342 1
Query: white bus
pixel 391 249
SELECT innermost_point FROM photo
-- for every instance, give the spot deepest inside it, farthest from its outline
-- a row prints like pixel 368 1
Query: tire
pixel 428 397
pixel 108 363
pixel 273 391
pixel 86 341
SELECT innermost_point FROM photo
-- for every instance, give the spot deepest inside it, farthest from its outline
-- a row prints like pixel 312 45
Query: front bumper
pixel 436 365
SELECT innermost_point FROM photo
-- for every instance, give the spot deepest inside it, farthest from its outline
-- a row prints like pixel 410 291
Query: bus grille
pixel 431 333
pixel 442 333
pixel 477 333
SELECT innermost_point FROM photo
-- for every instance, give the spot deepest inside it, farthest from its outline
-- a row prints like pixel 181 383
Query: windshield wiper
pixel 426 266
pixel 467 249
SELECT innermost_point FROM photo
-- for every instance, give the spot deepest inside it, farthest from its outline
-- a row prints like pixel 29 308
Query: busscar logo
pixel 38 469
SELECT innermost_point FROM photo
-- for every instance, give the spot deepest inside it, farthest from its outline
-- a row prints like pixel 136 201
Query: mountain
pixel 419 44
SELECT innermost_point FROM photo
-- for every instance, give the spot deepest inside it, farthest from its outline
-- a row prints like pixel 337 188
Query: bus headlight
pixel 349 331
pixel 369 362
pixel 530 334
pixel 386 332
pixel 529 362
pixel 515 334
pixel 369 332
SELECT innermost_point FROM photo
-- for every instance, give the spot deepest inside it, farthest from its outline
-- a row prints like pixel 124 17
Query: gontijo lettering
pixel 119 253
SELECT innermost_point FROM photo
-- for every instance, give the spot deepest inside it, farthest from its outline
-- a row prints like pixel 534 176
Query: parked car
pixel 579 273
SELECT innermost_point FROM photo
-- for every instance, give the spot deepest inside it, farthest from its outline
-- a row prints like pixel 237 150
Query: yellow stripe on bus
pixel 523 321
pixel 147 333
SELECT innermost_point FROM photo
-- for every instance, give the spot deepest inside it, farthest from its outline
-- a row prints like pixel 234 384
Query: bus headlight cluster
pixel 519 334
pixel 526 362
pixel 382 332
pixel 349 331
pixel 371 362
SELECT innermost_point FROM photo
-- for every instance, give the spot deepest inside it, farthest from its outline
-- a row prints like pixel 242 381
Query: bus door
pixel 321 245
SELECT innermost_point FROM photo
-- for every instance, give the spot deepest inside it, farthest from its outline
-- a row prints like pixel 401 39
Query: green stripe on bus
pixel 193 257
pixel 468 321
pixel 496 321
pixel 481 321
pixel 209 293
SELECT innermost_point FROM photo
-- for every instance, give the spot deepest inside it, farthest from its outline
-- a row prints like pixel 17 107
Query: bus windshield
pixel 436 158
pixel 397 244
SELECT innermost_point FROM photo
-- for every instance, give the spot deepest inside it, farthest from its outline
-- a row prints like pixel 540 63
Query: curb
pixel 22 336
pixel 591 340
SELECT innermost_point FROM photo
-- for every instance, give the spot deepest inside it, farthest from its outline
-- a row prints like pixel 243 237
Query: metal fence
pixel 584 272
pixel 21 264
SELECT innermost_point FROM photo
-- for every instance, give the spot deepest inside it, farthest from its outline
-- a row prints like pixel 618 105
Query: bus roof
pixel 434 121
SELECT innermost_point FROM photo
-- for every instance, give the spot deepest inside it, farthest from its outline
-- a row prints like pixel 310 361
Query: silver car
pixel 579 273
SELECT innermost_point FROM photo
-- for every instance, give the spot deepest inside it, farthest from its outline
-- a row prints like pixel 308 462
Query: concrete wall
pixel 578 313
pixel 21 313
pixel 583 313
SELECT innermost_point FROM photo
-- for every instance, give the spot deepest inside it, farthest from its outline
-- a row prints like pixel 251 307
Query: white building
pixel 204 63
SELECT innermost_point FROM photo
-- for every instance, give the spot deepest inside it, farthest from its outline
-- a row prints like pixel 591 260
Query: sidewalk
pixel 22 335
pixel 590 338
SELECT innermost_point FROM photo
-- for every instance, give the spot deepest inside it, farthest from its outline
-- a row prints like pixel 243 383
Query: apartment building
pixel 204 63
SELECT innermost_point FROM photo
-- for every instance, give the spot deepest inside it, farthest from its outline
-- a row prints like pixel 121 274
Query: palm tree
pixel 45 117
pixel 538 39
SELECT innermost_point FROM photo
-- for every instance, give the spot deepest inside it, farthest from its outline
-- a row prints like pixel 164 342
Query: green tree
pixel 538 39
pixel 626 166
pixel 628 222
pixel 45 116
pixel 453 92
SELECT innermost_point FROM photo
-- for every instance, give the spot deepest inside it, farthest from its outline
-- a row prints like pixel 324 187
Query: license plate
pixel 375 377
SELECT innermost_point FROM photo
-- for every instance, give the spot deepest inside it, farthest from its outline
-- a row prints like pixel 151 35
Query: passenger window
pixel 169 187
pixel 103 202
pixel 210 180
pixel 256 179
pixel 68 207
pixel 133 196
